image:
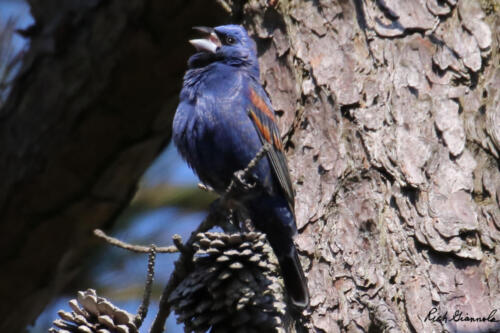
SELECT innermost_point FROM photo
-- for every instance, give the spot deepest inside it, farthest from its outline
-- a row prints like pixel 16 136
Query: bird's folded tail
pixel 295 280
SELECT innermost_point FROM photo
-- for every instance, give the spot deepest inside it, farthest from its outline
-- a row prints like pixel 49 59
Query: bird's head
pixel 226 43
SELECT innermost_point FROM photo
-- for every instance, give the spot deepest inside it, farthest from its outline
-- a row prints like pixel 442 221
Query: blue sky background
pixel 116 270
pixel 20 11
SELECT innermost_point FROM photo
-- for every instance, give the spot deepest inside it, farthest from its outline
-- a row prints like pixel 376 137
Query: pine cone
pixel 235 286
pixel 96 315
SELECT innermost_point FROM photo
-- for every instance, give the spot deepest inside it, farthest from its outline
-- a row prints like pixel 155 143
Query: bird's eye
pixel 230 40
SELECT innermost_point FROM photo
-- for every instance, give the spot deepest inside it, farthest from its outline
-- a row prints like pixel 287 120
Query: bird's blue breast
pixel 212 129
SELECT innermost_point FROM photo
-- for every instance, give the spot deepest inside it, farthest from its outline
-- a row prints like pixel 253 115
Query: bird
pixel 223 120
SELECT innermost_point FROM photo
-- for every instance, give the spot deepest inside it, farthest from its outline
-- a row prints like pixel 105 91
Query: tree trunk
pixel 90 109
pixel 389 110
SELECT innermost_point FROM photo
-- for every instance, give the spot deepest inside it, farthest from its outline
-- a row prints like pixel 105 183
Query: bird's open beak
pixel 208 44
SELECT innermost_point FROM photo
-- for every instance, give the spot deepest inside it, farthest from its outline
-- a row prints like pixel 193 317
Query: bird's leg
pixel 241 183
pixel 241 180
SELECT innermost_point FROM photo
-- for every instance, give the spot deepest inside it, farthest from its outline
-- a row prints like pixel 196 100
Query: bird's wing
pixel 262 116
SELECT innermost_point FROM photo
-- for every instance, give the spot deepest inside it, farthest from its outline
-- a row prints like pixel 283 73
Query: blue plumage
pixel 223 119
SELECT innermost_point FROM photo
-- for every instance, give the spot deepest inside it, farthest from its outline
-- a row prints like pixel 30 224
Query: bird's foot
pixel 242 182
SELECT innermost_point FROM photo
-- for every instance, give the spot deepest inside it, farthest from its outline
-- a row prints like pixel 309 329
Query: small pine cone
pixel 234 287
pixel 93 314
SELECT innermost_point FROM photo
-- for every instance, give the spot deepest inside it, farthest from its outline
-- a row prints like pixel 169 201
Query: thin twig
pixel 260 154
pixel 265 148
pixel 183 265
pixel 225 6
pixel 206 188
pixel 131 247
pixel 178 244
pixel 142 312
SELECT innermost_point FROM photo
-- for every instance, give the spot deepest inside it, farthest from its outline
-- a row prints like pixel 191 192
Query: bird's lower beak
pixel 208 44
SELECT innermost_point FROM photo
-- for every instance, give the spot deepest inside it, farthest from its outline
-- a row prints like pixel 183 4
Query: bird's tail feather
pixel 295 280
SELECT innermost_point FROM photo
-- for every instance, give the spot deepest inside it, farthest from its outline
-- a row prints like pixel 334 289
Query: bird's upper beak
pixel 208 44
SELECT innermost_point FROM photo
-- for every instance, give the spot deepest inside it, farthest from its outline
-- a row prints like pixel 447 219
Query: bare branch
pixel 217 216
pixel 240 177
pixel 131 247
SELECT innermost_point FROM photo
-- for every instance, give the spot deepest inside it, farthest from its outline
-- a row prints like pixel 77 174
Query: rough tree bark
pixel 90 109
pixel 390 115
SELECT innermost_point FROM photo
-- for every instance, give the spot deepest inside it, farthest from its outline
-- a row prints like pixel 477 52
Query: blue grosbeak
pixel 223 120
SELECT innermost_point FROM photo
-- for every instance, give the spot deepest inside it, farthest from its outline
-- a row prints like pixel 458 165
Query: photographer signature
pixel 459 316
